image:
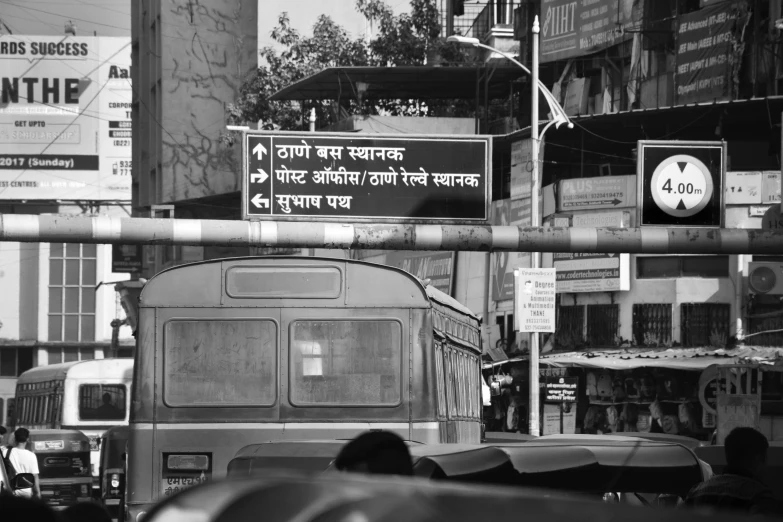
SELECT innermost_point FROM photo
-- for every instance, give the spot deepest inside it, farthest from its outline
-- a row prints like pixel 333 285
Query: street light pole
pixel 559 117
pixel 535 257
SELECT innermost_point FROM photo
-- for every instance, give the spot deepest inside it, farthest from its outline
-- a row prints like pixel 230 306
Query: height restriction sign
pixel 680 183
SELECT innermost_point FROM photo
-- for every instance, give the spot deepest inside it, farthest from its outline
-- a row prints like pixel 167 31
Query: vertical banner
pixel 509 212
pixel 534 309
pixel 704 53
pixel 522 167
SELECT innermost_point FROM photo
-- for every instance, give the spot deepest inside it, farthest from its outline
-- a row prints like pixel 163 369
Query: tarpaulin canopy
pixel 696 359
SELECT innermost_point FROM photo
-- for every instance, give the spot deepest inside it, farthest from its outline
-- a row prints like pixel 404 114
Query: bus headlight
pixel 115 480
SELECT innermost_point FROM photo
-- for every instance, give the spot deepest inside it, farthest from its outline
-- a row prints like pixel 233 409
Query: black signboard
pixel 126 258
pixel 681 183
pixel 345 177
pixel 562 389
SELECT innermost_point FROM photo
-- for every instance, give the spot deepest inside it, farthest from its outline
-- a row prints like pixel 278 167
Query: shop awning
pixel 696 359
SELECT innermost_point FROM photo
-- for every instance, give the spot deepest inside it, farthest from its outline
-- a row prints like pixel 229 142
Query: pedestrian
pixel 86 512
pixel 376 452
pixel 3 431
pixel 21 509
pixel 740 487
pixel 22 466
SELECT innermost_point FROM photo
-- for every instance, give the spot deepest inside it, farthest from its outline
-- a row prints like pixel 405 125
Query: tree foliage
pixel 405 39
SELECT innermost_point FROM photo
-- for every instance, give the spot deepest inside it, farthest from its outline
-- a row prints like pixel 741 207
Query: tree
pixel 406 39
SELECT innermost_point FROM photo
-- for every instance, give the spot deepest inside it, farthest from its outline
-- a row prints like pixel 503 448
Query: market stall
pixel 611 391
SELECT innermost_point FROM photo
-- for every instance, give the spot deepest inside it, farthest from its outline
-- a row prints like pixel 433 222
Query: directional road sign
pixel 681 183
pixel 387 178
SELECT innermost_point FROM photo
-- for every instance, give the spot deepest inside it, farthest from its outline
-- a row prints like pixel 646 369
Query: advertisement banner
pixel 593 272
pixel 596 193
pixel 435 266
pixel 534 309
pixel 571 28
pixel 65 118
pixel 515 212
pixel 705 40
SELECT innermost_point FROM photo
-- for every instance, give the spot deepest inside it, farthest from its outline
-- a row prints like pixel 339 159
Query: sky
pixel 112 17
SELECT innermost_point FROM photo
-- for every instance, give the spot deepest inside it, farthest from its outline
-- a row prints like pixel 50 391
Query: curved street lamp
pixel 559 117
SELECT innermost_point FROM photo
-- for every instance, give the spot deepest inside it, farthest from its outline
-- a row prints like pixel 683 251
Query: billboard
pixel 289 175
pixel 706 40
pixel 570 28
pixel 65 106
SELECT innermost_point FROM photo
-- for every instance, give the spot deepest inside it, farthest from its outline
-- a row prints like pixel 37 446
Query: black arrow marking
pixel 682 165
pixel 682 206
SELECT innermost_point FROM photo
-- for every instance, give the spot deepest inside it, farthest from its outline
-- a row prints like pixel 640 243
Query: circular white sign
pixel 681 185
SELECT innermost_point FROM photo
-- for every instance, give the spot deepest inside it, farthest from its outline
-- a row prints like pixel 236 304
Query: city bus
pixel 89 396
pixel 237 351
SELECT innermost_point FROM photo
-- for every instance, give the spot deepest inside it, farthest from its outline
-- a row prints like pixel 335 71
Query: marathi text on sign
pixel 379 177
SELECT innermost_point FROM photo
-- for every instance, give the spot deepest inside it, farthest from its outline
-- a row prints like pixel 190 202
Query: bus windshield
pixel 102 401
pixel 346 363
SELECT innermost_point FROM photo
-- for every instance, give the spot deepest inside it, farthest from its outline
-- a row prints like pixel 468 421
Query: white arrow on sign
pixel 259 150
pixel 260 177
pixel 258 201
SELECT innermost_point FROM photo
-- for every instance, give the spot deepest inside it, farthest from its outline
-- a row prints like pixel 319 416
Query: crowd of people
pixel 739 488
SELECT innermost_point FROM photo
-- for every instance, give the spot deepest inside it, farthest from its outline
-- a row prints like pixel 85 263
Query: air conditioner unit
pixel 765 278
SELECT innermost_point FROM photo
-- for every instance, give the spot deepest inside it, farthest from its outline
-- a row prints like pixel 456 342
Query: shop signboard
pixel 65 123
pixel 355 178
pixel 596 193
pixel 743 188
pixel 681 183
pixel 435 266
pixel 571 29
pixel 509 212
pixel 579 272
pixel 127 258
pixel 561 390
pixel 534 300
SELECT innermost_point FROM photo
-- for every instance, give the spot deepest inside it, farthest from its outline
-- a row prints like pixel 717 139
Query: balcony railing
pixel 495 13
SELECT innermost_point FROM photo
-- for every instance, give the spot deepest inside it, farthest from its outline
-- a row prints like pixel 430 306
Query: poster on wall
pixel 570 29
pixel 516 212
pixel 705 53
pixel 65 118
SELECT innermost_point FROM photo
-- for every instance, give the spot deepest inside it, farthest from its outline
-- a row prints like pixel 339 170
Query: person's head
pixel 378 452
pixel 3 431
pixel 106 398
pixel 21 509
pixel 22 435
pixel 86 512
pixel 746 450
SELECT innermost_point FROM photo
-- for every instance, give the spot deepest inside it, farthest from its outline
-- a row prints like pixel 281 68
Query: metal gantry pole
pixel 535 261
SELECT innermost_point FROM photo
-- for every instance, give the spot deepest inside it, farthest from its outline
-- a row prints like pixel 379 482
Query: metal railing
pixel 603 322
pixel 652 324
pixel 704 324
pixel 494 13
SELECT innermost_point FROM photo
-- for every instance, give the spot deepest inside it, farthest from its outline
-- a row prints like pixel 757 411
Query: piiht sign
pixel 681 183
pixel 345 177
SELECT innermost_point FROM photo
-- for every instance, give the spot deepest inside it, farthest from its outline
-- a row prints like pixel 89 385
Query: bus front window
pixel 102 402
pixel 346 363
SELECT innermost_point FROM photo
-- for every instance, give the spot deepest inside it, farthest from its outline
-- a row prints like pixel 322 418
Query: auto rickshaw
pixel 64 466
pixel 347 496
pixel 112 468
